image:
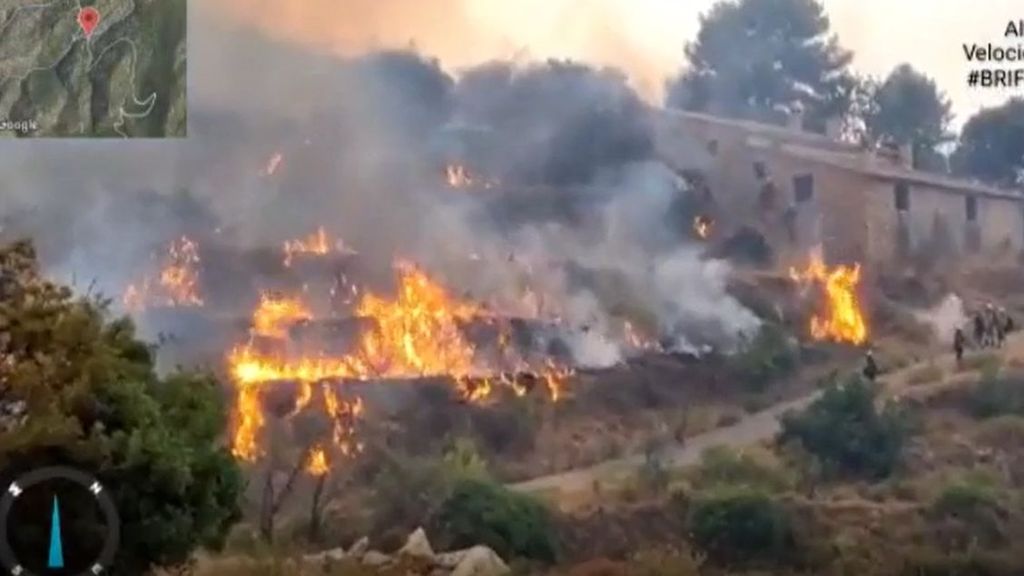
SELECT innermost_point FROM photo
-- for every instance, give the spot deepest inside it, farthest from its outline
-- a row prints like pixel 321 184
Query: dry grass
pixel 927 374
pixel 1002 432
pixel 981 361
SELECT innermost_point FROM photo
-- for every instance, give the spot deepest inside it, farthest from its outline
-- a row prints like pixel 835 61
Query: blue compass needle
pixel 56 559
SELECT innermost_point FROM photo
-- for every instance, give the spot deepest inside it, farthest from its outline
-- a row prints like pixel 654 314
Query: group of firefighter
pixel 990 327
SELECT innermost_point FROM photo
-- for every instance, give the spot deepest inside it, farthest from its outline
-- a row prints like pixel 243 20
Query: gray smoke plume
pixel 580 234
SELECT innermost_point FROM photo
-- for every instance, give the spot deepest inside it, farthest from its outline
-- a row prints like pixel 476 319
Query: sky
pixel 643 37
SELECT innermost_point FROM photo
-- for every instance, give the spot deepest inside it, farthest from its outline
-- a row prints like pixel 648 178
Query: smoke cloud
pixel 580 235
pixel 945 317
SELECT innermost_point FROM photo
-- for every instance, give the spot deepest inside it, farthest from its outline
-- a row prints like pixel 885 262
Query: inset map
pixel 93 68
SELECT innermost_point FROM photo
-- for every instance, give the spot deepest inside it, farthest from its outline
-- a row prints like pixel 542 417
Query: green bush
pixel 845 431
pixel 995 396
pixel 754 468
pixel 965 498
pixel 89 396
pixel 770 355
pixel 512 524
pixel 740 524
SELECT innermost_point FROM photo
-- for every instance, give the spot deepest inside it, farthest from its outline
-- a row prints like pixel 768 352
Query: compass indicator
pixel 57 521
pixel 56 560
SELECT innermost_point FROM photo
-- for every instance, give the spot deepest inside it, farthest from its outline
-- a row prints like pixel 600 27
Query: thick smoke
pixel 581 237
pixel 945 317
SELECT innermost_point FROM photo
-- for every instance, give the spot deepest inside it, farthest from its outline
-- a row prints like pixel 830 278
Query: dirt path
pixel 751 429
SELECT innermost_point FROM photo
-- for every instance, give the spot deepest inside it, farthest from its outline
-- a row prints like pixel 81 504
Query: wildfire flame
pixel 457 176
pixel 636 339
pixel 318 243
pixel 417 332
pixel 841 319
pixel 276 313
pixel 273 163
pixel 702 225
pixel 177 283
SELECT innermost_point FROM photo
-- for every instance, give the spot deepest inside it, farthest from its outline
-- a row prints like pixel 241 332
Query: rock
pixel 480 561
pixel 334 554
pixel 452 559
pixel 360 547
pixel 374 558
pixel 417 545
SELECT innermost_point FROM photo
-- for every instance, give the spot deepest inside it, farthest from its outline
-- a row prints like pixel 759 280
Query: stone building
pixel 803 190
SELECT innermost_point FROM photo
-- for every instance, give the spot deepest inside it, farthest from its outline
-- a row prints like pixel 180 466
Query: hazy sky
pixel 645 37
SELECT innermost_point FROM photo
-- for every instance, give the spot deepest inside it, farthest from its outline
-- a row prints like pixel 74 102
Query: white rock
pixel 417 545
pixel 334 554
pixel 450 559
pixel 360 547
pixel 374 558
pixel 481 561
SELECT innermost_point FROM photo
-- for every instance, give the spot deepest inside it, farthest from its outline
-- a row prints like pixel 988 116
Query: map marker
pixel 88 18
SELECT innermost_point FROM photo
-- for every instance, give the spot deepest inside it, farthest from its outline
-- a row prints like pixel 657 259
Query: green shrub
pixel 751 467
pixel 406 493
pixel 966 498
pixel 995 396
pixel 845 431
pixel 512 524
pixel 972 505
pixel 740 524
pixel 91 398
pixel 770 355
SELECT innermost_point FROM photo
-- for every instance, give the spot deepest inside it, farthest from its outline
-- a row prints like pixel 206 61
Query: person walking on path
pixel 958 346
pixel 979 330
pixel 870 366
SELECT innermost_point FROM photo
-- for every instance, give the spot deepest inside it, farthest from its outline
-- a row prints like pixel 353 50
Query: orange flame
pixel 318 243
pixel 636 339
pixel 317 465
pixel 702 225
pixel 457 176
pixel 842 320
pixel 177 284
pixel 273 163
pixel 417 332
pixel 276 313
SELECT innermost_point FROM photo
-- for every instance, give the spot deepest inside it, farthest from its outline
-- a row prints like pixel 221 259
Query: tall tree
pixel 992 145
pixel 764 58
pixel 909 108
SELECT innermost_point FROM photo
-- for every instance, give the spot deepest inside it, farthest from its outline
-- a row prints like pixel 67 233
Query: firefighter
pixel 990 324
pixel 979 329
pixel 870 366
pixel 958 346
pixel 1000 326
